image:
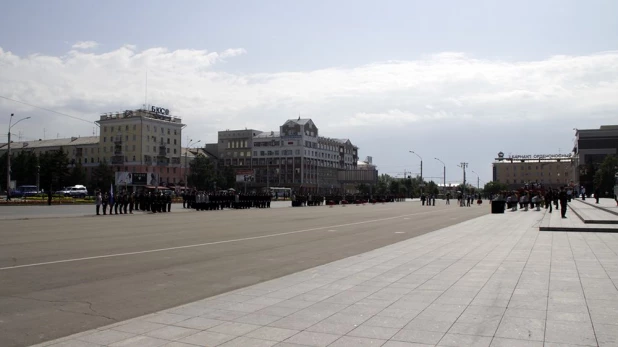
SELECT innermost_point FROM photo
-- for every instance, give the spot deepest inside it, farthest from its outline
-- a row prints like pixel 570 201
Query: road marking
pixel 332 230
pixel 400 232
pixel 208 243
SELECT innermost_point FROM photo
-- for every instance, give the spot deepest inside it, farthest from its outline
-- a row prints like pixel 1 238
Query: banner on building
pixel 244 175
pixel 137 178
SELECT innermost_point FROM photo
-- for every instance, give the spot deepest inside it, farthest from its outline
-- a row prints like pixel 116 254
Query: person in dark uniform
pixel 125 201
pixel 131 202
pixel 562 196
pixel 104 203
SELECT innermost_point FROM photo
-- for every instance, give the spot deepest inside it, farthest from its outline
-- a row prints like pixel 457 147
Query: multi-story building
pixel 83 150
pixel 296 156
pixel 591 148
pixel 147 141
pixel 551 170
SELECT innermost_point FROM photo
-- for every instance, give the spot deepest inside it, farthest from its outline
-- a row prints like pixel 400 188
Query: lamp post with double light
pixel 8 156
pixel 443 175
pixel 191 142
pixel 422 183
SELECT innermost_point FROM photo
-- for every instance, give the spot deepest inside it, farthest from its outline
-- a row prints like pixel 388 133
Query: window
pixel 134 137
pixel 133 147
pixel 255 153
pixel 85 160
pixel 168 131
pixel 162 131
pixel 154 148
pixel 174 141
pixel 174 150
pixel 134 127
pixel 126 138
pixel 133 158
pixel 242 154
pixel 104 129
pixel 155 129
pixel 104 139
pixel 174 170
pixel 92 160
pixel 174 131
pixel 249 154
pixel 126 128
pixel 148 127
pixel 168 140
pixel 168 150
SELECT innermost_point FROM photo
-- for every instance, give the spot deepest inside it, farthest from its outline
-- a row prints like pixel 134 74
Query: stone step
pixel 590 214
pixel 554 222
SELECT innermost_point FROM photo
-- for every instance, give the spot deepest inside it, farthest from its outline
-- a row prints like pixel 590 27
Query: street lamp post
pixel 463 190
pixel 419 157
pixel 8 157
pixel 191 142
pixel 443 175
pixel 478 180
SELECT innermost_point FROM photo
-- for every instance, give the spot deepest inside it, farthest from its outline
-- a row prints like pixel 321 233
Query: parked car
pixel 24 191
pixel 77 191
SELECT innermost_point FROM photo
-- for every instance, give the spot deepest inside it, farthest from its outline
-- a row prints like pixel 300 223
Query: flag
pixel 111 194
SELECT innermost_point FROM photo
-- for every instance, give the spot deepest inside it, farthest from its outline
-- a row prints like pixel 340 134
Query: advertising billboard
pixel 244 175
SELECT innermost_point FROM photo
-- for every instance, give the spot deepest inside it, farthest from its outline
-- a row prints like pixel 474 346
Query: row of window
pixel 133 148
pixel 536 167
pixel 541 174
pixel 126 128
pixel 557 180
pixel 148 139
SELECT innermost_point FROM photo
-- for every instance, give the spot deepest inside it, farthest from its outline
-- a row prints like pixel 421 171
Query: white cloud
pixel 404 99
pixel 85 45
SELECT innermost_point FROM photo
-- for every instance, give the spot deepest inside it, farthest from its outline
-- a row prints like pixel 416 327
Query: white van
pixel 77 191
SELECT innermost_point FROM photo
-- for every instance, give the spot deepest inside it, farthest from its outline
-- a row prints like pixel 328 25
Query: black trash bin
pixel 497 206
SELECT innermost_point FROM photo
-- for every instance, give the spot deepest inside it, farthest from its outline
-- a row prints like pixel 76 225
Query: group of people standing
pixel 532 199
pixel 125 202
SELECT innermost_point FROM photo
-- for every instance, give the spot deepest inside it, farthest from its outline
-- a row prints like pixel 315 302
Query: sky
pixel 455 80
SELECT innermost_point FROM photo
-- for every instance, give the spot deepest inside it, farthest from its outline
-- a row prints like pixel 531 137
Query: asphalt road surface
pixel 61 276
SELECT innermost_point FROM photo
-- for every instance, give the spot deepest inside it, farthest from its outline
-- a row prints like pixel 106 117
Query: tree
pixel 494 187
pixel 203 174
pixel 77 175
pixel 363 189
pixel 432 188
pixel 226 177
pixel 604 177
pixel 54 169
pixel 102 177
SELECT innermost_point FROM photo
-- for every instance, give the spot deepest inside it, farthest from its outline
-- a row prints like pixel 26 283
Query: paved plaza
pixel 495 280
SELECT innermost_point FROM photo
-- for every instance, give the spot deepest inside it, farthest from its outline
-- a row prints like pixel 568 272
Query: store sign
pixel 160 110
pixel 540 156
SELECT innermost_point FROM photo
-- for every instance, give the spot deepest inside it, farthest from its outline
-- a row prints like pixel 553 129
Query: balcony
pixel 117 160
pixel 175 161
pixel 162 160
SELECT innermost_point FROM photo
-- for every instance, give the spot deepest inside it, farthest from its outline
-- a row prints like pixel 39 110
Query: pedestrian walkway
pixel 592 214
pixel 492 281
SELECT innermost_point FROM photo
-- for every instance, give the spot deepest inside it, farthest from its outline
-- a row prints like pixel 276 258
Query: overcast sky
pixel 456 80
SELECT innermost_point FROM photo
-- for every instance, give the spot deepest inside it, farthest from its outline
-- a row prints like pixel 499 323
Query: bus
pixel 280 192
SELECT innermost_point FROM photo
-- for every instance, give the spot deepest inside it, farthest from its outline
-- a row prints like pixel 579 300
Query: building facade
pixel 296 156
pixel 143 140
pixel 550 170
pixel 591 148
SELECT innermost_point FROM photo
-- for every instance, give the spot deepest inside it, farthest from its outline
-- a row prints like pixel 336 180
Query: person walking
pixel 562 196
pixel 549 197
pixel 597 192
pixel 98 201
